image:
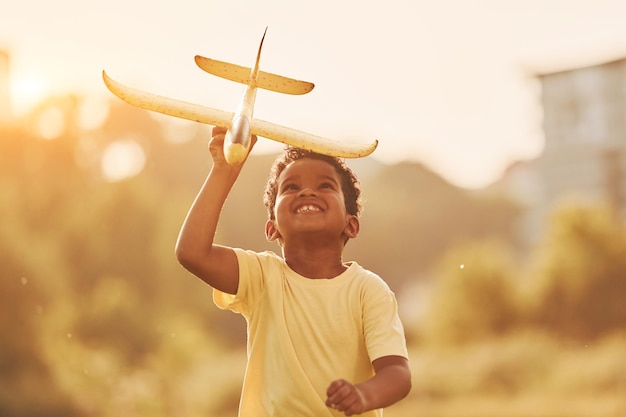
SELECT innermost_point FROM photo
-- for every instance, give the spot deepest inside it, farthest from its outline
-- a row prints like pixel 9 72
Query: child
pixel 324 337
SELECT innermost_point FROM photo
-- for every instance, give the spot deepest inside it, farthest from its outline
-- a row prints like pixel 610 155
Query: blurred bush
pixel 474 294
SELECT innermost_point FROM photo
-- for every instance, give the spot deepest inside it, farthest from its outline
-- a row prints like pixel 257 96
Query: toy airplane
pixel 240 124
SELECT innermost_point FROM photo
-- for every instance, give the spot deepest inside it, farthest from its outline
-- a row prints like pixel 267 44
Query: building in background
pixel 584 159
pixel 585 131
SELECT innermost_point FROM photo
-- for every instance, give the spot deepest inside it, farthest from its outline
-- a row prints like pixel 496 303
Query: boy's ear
pixel 271 232
pixel 353 225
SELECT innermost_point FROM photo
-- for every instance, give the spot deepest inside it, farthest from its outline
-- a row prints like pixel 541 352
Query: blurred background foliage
pixel 98 319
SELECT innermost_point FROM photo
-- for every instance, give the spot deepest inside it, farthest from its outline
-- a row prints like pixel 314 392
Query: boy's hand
pixel 346 397
pixel 216 145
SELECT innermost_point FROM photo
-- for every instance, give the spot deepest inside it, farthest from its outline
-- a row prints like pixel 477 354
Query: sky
pixel 452 84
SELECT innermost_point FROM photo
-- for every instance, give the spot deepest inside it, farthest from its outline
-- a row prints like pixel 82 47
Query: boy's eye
pixel 290 187
pixel 327 185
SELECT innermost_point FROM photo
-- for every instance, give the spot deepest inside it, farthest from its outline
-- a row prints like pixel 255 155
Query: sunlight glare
pixel 122 159
pixel 27 91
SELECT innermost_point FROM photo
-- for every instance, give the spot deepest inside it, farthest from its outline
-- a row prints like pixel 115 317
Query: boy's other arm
pixel 195 250
pixel 390 384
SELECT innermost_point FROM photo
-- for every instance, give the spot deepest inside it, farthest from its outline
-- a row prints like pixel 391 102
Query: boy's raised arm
pixel 195 250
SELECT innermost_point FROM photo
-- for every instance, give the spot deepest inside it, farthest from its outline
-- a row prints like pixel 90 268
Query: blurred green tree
pixel 474 294
pixel 27 383
pixel 579 287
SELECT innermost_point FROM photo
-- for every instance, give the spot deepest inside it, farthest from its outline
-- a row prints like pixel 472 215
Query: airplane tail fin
pixel 244 75
pixel 255 71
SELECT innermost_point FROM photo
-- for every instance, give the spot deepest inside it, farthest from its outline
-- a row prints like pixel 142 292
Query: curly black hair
pixel 349 182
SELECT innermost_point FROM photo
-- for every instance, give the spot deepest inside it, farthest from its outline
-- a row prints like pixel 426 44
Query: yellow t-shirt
pixel 305 333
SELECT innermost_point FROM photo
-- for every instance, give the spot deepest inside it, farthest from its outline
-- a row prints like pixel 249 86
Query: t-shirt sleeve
pixel 251 283
pixel 384 333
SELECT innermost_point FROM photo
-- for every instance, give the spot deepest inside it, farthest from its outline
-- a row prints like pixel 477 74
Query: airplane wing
pixel 311 142
pixel 169 106
pixel 265 80
pixel 215 117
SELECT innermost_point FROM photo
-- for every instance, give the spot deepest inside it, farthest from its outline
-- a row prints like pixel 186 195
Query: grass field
pixel 527 375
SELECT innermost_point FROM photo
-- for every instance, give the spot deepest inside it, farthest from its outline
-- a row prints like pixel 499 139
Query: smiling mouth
pixel 308 208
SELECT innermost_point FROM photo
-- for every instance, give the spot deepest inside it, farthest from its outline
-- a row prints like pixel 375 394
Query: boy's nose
pixel 306 191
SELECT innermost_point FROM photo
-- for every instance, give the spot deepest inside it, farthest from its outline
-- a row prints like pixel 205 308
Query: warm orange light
pixel 27 91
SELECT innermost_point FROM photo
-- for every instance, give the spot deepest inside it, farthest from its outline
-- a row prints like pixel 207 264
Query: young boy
pixel 324 337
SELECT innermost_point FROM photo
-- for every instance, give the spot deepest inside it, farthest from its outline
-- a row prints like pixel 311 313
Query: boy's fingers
pixel 217 130
pixel 336 393
pixel 346 397
pixel 334 386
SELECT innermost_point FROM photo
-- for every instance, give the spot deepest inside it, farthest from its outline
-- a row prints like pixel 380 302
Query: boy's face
pixel 310 200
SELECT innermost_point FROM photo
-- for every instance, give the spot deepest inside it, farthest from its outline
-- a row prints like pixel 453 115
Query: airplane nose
pixel 237 140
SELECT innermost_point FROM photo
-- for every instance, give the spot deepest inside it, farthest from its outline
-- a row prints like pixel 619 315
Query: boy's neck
pixel 315 262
